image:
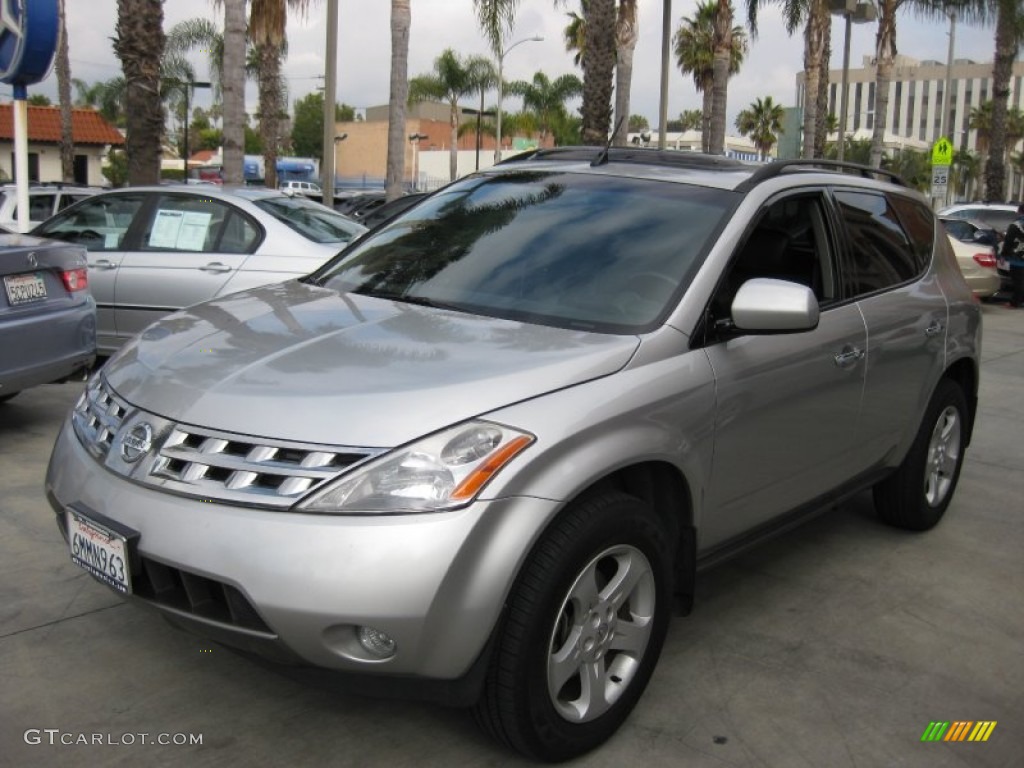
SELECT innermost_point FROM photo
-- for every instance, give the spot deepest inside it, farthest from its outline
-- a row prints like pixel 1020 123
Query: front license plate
pixel 99 550
pixel 24 289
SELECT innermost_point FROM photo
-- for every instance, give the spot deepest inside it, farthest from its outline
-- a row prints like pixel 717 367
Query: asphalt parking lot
pixel 832 646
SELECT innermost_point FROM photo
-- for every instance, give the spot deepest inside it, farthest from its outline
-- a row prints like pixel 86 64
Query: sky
pixel 364 45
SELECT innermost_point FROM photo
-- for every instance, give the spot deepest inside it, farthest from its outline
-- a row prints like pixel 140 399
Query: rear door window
pixel 879 252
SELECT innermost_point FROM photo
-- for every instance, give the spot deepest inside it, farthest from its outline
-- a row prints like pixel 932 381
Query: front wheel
pixel 583 630
pixel 916 496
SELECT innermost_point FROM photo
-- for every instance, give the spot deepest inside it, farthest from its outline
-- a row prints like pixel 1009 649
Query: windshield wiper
pixel 420 301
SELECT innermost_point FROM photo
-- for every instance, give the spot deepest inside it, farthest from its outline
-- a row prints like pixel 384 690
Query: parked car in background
pixel 153 250
pixel 389 210
pixel 482 453
pixel 971 231
pixel 47 317
pixel 44 200
pixel 997 215
pixel 306 188
pixel 978 265
pixel 360 204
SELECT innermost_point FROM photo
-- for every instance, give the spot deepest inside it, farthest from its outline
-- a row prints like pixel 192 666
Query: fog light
pixel 377 643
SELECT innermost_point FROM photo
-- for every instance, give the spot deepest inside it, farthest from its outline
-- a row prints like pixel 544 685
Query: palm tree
pixel 484 77
pixel 574 36
pixel 694 50
pixel 720 75
pixel 401 21
pixel 63 67
pixel 762 122
pixel 546 99
pixel 691 119
pixel 450 81
pixel 815 16
pixel 627 30
pixel 139 44
pixel 232 76
pixel 267 24
pixel 106 96
pixel 1009 38
pixel 497 19
pixel 966 166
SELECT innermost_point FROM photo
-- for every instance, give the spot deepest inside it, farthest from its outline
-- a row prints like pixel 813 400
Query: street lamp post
pixel 186 87
pixel 415 139
pixel 857 13
pixel 501 90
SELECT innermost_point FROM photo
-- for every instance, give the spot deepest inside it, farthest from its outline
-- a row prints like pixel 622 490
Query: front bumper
pixel 436 583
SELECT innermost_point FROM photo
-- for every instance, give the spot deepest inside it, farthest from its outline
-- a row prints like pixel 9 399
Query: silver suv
pixel 481 455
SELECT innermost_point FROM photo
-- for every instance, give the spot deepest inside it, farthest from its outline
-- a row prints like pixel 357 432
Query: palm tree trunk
pixel 453 153
pixel 139 44
pixel 626 33
pixel 270 110
pixel 63 67
pixel 1006 50
pixel 814 51
pixel 821 112
pixel 232 81
pixel 401 20
pixel 885 51
pixel 720 89
pixel 598 63
pixel 705 117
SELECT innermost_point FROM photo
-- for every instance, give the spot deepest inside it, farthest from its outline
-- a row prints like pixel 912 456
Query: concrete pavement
pixel 832 646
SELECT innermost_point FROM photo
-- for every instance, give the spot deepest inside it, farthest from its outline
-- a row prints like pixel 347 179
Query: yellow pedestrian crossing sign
pixel 942 152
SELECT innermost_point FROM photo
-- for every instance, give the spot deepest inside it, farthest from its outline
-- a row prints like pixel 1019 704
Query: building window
pixel 898 102
pixel 832 108
pixel 856 106
pixel 984 90
pixel 910 108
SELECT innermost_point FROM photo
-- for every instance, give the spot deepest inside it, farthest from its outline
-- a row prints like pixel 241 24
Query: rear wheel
pixel 584 627
pixel 916 496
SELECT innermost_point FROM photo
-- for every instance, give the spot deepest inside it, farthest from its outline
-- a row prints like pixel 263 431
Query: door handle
pixel 934 329
pixel 849 356
pixel 215 266
pixel 104 264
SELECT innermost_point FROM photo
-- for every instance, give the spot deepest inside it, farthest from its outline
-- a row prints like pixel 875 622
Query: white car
pixel 997 215
pixel 43 202
pixel 307 188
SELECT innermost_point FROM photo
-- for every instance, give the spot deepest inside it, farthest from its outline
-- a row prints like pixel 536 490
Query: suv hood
pixel 298 362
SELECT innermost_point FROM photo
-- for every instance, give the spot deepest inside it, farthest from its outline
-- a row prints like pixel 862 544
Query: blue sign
pixel 28 39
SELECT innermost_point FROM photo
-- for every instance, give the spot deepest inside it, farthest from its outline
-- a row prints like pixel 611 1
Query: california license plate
pixel 23 289
pixel 100 550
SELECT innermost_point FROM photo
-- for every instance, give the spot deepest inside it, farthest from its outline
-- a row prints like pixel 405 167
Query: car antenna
pixel 602 158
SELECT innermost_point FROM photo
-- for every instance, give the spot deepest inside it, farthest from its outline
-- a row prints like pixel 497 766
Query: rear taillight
pixel 75 279
pixel 985 259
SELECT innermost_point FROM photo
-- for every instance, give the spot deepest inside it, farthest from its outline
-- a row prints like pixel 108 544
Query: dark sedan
pixel 47 315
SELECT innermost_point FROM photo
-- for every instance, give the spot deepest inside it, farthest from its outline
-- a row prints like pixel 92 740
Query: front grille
pixel 97 417
pixel 239 468
pixel 196 595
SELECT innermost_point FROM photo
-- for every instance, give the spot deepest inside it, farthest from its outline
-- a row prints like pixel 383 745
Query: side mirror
pixel 766 305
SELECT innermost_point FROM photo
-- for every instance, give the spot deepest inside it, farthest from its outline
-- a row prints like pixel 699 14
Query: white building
pixel 916 96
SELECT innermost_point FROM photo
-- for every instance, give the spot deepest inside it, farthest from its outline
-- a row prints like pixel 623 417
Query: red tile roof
pixel 87 126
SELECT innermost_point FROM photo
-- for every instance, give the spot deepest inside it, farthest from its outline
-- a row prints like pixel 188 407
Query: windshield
pixel 571 250
pixel 311 220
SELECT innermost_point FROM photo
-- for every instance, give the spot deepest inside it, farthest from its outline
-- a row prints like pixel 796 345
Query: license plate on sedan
pixel 24 289
pixel 103 552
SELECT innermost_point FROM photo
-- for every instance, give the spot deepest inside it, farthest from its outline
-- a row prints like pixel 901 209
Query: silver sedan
pixel 154 250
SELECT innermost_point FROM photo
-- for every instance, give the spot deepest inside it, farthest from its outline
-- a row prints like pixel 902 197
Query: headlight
pixel 440 472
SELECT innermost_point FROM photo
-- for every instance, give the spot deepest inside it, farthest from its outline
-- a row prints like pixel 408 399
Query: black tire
pixel 617 637
pixel 916 495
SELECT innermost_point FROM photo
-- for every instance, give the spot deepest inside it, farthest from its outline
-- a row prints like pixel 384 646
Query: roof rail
pixel 772 170
pixel 644 155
